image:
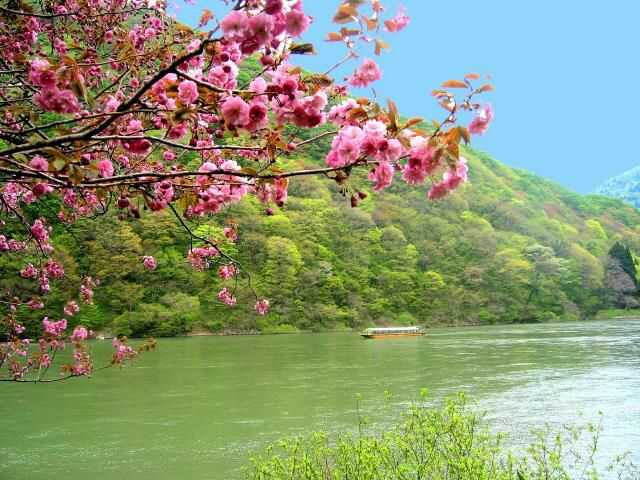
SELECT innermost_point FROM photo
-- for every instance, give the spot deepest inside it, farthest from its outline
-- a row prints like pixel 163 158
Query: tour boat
pixel 392 332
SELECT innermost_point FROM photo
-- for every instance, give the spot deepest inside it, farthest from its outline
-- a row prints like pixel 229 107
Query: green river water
pixel 198 407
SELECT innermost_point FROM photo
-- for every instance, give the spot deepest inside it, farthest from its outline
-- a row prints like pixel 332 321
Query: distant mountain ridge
pixel 625 186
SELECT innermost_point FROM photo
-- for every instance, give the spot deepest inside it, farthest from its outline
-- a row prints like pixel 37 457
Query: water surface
pixel 197 407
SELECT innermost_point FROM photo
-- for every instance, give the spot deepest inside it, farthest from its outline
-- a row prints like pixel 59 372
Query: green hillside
pixel 509 247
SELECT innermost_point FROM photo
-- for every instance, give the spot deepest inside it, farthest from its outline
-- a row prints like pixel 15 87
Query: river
pixel 198 407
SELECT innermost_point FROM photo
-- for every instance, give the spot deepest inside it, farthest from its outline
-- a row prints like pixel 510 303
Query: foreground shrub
pixel 448 442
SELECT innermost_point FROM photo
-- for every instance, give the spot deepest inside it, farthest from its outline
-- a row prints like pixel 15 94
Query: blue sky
pixel 563 71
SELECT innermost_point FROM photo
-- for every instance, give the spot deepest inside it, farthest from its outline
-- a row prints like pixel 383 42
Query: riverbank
pixel 200 331
pixel 617 314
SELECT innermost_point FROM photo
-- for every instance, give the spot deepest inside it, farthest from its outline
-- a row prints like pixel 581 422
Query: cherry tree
pixel 104 104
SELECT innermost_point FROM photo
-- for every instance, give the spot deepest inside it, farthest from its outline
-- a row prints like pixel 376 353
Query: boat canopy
pixel 375 330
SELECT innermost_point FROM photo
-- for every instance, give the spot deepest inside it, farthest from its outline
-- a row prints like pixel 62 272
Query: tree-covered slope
pixel 509 247
pixel 625 186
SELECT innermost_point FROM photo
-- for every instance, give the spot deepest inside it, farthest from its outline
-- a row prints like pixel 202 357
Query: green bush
pixel 282 328
pixel 447 442
pixel 173 316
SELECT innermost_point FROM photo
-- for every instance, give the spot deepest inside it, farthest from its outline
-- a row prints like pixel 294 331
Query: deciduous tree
pixel 115 105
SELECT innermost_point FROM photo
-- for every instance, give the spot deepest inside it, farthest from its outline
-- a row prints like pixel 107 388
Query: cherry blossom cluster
pixel 115 105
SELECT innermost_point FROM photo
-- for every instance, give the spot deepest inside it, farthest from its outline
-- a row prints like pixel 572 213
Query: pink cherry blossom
pixel 39 163
pixel 45 360
pixel 54 328
pixel 199 257
pixel 234 25
pixel 53 269
pixel 453 178
pixel 480 124
pixel 149 262
pixel 388 150
pixel 260 28
pixel 366 74
pixel 382 175
pixel 225 272
pixel 226 297
pixel 413 175
pixel 35 304
pixel 138 146
pixel 56 100
pixel 235 112
pixel 262 307
pixel 296 23
pixel 111 104
pixel 86 290
pixel 79 334
pixel 90 85
pixel 280 192
pixel 122 351
pixel 273 7
pixel 71 308
pixel 41 74
pixel 230 233
pixel 437 191
pixel 398 22
pixel 40 231
pixel 188 92
pixel 105 168
pixel 29 272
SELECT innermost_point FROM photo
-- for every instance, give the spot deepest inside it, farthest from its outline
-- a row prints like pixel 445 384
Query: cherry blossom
pixel 111 107
pixel 480 123
pixel 188 92
pixel 366 74
pixel 149 262
pixel 79 334
pixel 398 22
pixel 226 297
pixel 262 306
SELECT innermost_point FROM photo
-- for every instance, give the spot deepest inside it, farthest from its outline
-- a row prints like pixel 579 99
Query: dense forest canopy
pixel 509 247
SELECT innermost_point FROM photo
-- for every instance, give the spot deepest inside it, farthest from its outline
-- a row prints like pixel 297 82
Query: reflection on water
pixel 198 406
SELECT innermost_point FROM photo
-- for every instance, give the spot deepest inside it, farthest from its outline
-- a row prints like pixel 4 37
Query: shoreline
pixel 242 333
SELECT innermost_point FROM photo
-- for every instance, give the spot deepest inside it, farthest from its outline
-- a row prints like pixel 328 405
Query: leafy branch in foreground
pixel 451 441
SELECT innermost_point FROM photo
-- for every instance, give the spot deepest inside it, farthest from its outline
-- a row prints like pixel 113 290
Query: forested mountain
pixel 625 186
pixel 509 247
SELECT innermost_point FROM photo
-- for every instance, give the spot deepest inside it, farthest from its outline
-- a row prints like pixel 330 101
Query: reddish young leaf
pixel 413 121
pixel 349 32
pixel 381 45
pixel 346 14
pixel 206 16
pixel 487 87
pixel 440 93
pixel 372 23
pixel 454 84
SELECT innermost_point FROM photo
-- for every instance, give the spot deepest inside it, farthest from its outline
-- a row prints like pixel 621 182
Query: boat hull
pixel 383 336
